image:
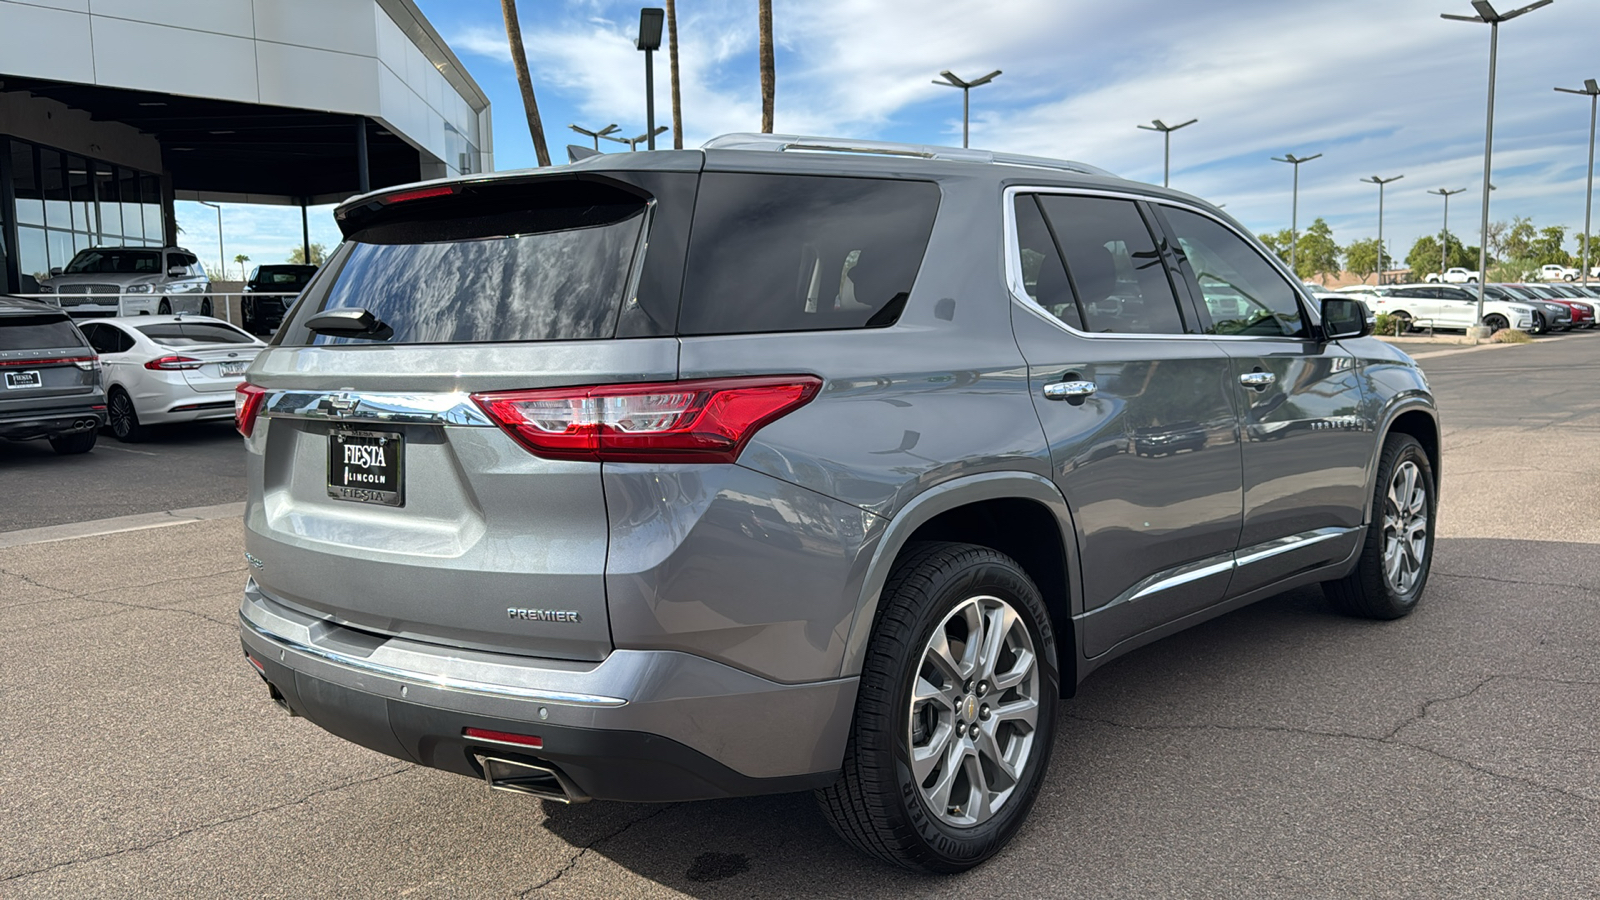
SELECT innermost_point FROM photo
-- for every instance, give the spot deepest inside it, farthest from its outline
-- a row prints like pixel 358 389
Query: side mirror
pixel 54 271
pixel 177 271
pixel 1344 318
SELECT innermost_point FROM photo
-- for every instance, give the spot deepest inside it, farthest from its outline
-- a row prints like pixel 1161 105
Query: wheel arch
pixel 1418 419
pixel 1019 514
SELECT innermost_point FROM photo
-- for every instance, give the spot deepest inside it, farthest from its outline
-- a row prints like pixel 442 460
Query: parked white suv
pixel 131 281
pixel 1553 272
pixel 1446 307
pixel 1453 275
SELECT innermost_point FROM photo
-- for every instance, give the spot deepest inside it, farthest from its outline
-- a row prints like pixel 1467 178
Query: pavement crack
pixel 206 826
pixel 1561 584
pixel 582 851
pixel 1422 711
pixel 25 579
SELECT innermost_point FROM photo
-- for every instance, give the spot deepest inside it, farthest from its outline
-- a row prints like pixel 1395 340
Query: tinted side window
pixel 1119 276
pixel 1044 275
pixel 1243 292
pixel 802 252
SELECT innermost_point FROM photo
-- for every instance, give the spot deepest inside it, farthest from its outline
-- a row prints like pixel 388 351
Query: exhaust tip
pixel 519 777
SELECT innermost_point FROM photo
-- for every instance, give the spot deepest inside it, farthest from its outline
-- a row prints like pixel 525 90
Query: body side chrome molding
pixel 366 406
pixel 429 679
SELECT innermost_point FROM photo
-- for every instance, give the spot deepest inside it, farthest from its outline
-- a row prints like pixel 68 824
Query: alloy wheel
pixel 974 711
pixel 123 418
pixel 1405 527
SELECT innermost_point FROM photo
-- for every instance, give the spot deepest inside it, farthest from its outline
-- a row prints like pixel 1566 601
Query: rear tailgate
pixel 44 363
pixel 380 494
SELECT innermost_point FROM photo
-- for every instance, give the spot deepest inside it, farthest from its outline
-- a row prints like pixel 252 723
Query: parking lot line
pixel 138 522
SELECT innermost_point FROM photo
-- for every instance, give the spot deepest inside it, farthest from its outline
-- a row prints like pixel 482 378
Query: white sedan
pixel 162 369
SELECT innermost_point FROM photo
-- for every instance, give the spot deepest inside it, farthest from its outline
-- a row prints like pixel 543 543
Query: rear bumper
pixel 641 725
pixel 39 423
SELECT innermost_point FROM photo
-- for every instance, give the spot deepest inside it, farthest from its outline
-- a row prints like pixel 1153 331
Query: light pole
pixel 222 255
pixel 1166 132
pixel 950 80
pixel 634 142
pixel 1444 237
pixel 597 135
pixel 1380 182
pixel 1294 214
pixel 650 19
pixel 1592 89
pixel 1487 16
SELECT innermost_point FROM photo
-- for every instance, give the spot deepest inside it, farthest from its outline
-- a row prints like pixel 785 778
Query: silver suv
pixel 129 281
pixel 766 467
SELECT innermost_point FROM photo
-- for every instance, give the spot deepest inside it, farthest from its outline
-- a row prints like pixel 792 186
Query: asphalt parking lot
pixel 1277 751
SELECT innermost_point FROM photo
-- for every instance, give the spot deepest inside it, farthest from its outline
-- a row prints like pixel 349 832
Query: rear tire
pixel 123 418
pixel 960 687
pixel 205 307
pixel 1404 318
pixel 164 308
pixel 1392 571
pixel 69 444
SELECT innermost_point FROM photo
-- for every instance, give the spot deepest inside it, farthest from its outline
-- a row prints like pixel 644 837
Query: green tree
pixel 1424 257
pixel 1277 242
pixel 1316 253
pixel 319 255
pixel 1361 258
pixel 1517 244
pixel 1547 250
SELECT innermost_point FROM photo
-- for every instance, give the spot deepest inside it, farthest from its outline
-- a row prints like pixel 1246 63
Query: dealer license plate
pixel 367 466
pixel 27 379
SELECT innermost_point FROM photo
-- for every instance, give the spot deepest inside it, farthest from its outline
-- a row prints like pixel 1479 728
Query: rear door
pixel 1139 410
pixel 381 495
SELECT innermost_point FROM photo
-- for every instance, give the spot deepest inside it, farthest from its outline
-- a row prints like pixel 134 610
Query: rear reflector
pixel 504 737
pixel 247 400
pixel 260 669
pixel 706 421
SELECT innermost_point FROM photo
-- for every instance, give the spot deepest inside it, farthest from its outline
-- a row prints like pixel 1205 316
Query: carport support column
pixel 363 176
pixel 305 233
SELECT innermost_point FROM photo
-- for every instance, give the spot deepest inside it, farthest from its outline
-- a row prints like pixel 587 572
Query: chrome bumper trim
pixel 363 406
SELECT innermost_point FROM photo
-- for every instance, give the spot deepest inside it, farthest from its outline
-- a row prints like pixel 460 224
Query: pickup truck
pixel 1453 275
pixel 1553 272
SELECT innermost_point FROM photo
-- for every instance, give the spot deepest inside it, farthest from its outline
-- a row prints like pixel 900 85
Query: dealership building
pixel 110 110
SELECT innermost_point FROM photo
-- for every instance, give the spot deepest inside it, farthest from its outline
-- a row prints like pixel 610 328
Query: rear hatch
pixel 381 493
pixel 44 363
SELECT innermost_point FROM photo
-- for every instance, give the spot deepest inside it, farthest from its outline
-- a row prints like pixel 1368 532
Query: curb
pixel 139 522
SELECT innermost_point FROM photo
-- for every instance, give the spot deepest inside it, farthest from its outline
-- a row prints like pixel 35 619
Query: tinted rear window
pixel 545 261
pixel 46 332
pixel 802 253
pixel 184 334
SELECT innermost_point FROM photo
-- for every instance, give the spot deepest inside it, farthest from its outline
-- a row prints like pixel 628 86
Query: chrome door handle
pixel 1069 390
pixel 1257 380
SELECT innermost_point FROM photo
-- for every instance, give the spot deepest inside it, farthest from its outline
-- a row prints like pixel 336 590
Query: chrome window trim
pixel 430 679
pixel 1012 265
pixel 377 407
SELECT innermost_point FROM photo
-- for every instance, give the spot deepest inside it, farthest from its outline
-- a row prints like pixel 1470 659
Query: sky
pixel 1378 87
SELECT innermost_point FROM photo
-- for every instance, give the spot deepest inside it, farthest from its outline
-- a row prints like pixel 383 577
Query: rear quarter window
pixel 771 253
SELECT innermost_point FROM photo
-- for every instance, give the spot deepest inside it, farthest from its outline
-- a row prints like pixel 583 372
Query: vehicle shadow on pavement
pixel 1282 749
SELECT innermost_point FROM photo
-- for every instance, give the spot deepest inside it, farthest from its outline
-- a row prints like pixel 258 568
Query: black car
pixel 268 292
pixel 49 377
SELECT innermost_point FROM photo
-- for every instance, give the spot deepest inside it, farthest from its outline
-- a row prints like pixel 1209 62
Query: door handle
pixel 1258 380
pixel 1069 390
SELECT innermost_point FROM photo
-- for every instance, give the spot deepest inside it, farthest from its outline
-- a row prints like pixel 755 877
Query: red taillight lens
pixel 174 363
pixel 504 737
pixel 82 362
pixel 418 194
pixel 247 400
pixel 706 421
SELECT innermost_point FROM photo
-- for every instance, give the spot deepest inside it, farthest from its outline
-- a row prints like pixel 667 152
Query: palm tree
pixel 769 76
pixel 672 54
pixel 241 259
pixel 519 60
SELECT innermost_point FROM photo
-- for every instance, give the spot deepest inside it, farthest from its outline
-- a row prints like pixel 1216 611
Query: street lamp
pixel 1487 16
pixel 1166 132
pixel 1444 238
pixel 650 19
pixel 634 142
pixel 1294 215
pixel 950 80
pixel 1592 89
pixel 1380 182
pixel 597 135
pixel 222 255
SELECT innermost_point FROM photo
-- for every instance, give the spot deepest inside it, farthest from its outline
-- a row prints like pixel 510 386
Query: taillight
pixel 706 421
pixel 82 362
pixel 247 400
pixel 174 363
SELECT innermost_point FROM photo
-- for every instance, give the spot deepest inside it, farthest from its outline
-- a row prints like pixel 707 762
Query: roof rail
pixel 795 142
